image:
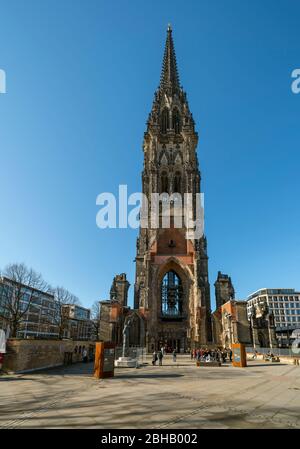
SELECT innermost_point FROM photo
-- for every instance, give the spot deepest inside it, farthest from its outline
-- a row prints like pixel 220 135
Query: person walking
pixel 174 355
pixel 154 358
pixel 84 356
pixel 160 357
pixel 224 354
pixel 2 347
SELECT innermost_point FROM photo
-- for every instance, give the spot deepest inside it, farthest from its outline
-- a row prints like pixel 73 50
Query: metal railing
pixel 135 352
pixel 289 352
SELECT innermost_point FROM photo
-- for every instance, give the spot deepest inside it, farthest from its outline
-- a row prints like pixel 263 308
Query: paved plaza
pixel 178 395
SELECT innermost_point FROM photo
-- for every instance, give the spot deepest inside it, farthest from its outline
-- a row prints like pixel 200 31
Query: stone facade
pixel 231 325
pixel 114 311
pixel 119 289
pixel 263 327
pixel 223 289
pixel 31 355
pixel 171 166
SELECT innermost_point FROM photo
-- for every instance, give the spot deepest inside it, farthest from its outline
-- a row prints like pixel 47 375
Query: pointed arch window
pixel 171 295
pixel 164 126
pixel 164 182
pixel 177 182
pixel 176 121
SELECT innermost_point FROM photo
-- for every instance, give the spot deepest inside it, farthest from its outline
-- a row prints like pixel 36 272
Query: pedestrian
pixel 230 355
pixel 174 355
pixel 201 354
pixel 1 360
pixel 2 347
pixel 160 357
pixel 154 358
pixel 84 355
pixel 223 353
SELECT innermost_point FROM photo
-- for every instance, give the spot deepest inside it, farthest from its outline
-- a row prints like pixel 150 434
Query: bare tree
pixel 61 316
pixel 95 317
pixel 19 287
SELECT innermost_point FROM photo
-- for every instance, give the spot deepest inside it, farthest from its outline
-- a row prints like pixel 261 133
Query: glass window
pixel 171 295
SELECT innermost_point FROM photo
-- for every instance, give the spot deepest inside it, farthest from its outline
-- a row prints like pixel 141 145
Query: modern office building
pixel 39 319
pixel 79 325
pixel 285 306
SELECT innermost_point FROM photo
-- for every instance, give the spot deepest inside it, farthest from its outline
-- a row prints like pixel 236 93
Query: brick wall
pixel 30 355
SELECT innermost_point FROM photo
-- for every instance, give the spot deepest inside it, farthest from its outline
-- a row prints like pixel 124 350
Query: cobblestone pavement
pixel 173 396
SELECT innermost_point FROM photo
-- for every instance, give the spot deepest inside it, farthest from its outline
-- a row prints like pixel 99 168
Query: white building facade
pixel 285 306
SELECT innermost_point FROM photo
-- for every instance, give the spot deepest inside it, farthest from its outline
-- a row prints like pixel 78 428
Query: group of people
pixel 208 355
pixel 159 355
pixel 201 354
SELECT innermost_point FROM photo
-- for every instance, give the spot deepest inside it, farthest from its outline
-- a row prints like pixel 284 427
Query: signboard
pixel 109 359
pixel 239 355
pixel 104 360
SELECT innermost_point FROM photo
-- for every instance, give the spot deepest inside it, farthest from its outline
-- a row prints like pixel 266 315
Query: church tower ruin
pixel 172 290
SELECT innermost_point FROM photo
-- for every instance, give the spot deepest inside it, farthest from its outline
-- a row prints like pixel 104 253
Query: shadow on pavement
pixel 257 365
pixel 136 374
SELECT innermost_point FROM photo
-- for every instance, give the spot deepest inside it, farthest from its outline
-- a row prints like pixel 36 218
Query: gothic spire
pixel 169 80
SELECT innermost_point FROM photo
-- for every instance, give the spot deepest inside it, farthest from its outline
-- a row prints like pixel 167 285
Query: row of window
pixel 287 312
pixel 282 305
pixel 274 298
pixel 284 298
pixel 288 319
pixel 282 311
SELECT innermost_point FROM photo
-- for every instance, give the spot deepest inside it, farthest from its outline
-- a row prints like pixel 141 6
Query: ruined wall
pixel 30 355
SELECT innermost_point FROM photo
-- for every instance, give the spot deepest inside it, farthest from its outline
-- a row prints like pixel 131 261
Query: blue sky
pixel 80 82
